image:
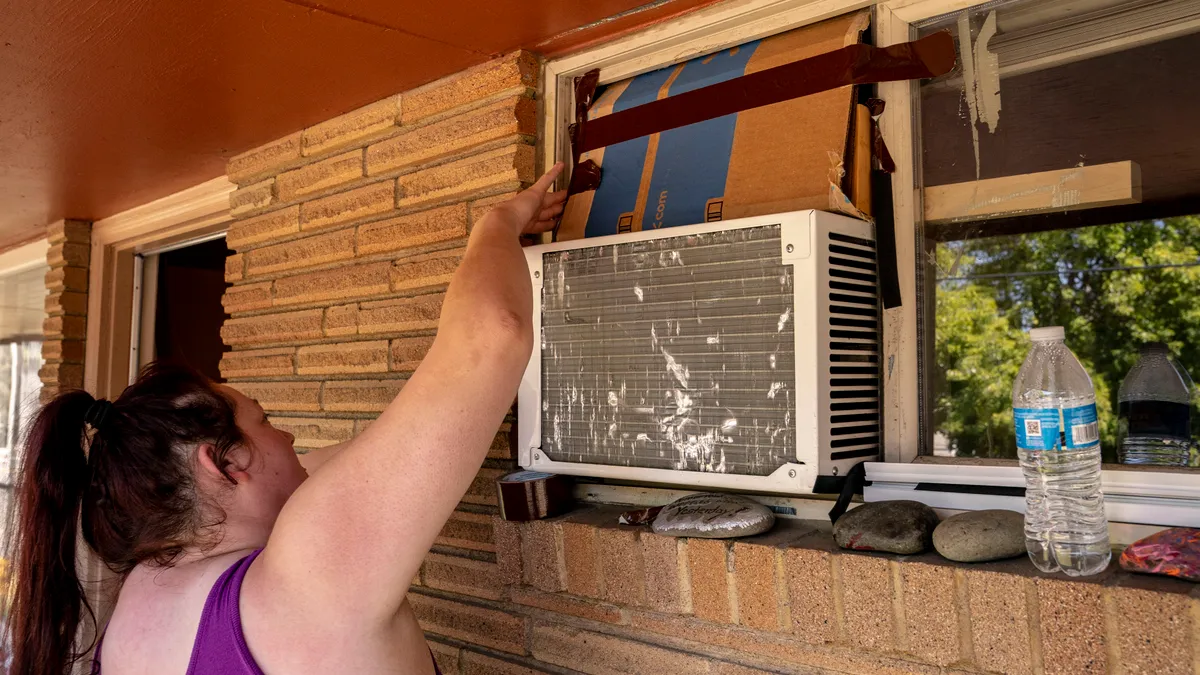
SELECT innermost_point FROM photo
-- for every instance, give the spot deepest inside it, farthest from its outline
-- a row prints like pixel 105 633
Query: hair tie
pixel 97 413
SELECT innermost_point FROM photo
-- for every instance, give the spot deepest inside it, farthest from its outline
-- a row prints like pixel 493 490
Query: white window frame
pixel 1139 501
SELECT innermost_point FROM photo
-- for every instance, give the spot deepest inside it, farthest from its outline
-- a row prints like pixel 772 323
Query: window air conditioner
pixel 742 354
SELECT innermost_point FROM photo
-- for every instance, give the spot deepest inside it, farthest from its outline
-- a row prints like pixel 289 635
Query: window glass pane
pixel 1048 91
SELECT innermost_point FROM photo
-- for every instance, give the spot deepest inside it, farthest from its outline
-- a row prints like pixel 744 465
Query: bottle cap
pixel 1047 334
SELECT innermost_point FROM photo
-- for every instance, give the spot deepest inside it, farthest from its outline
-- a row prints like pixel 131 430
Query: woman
pixel 237 556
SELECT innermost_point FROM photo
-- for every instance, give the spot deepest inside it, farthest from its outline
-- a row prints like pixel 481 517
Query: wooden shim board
pixel 1083 187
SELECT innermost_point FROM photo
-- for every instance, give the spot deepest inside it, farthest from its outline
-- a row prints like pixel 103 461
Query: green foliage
pixel 1108 311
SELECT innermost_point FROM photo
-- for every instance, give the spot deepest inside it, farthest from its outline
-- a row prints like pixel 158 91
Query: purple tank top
pixel 220 647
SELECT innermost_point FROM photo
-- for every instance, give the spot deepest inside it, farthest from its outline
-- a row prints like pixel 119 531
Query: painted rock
pixel 1174 552
pixel 979 536
pixel 713 516
pixel 896 527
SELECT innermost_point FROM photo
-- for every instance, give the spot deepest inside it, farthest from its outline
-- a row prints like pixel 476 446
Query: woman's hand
pixel 534 210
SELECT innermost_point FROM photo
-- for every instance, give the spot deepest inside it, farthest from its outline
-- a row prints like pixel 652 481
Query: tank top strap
pixel 220 645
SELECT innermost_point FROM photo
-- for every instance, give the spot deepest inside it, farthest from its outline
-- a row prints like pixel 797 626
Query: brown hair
pixel 131 490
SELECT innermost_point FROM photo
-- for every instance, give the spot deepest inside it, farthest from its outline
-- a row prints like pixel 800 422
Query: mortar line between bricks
pixel 899 616
pixel 384 176
pixel 1112 629
pixel 839 610
pixel 1033 610
pixel 966 638
pixel 685 576
pixel 331 340
pixel 731 589
pixel 405 255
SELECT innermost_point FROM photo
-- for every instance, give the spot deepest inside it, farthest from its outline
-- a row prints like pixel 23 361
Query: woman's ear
pixel 206 458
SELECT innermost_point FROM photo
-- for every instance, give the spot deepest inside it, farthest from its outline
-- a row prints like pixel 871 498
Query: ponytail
pixel 48 599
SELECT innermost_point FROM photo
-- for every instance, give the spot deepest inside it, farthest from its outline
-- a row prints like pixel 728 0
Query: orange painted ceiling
pixel 108 104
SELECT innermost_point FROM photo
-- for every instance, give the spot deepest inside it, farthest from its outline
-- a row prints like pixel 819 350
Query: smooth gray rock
pixel 709 515
pixel 979 536
pixel 900 526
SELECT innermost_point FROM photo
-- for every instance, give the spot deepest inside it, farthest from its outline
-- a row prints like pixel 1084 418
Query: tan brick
pixel 867 601
pixel 726 668
pixel 252 198
pixel 360 395
pixel 259 229
pixel 710 579
pixel 323 175
pixel 287 327
pixel 48 393
pixel 462 575
pixel 67 302
pixel 65 327
pixel 810 593
pixel 1154 631
pixel 247 297
pixel 312 433
pixel 757 589
pixel 353 126
pixel 566 604
pixel 581 553
pixel 541 553
pixel 264 160
pixel 500 170
pixel 235 268
pixel 471 623
pixel 69 254
pixel 501 447
pixel 455 135
pixel 446 656
pixel 397 316
pixel 604 654
pixel 444 224
pixel 623 565
pixel 258 363
pixel 931 612
pixel 663 592
pixel 341 321
pixel 283 396
pixel 361 426
pixel 79 231
pixel 428 271
pixel 347 206
pixel 512 73
pixel 307 252
pixel 343 357
pixel 508 550
pixel 65 351
pixel 340 283
pixel 464 529
pixel 481 207
pixel 407 353
pixel 483 488
pixel 999 621
pixel 67 279
pixel 474 663
pixel 1072 627
pixel 65 375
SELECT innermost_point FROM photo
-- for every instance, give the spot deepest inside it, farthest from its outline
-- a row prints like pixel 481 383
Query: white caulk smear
pixel 679 371
pixel 637 290
pixel 783 319
pixel 612 399
pixel 981 77
pixel 772 358
pixel 714 340
pixel 775 387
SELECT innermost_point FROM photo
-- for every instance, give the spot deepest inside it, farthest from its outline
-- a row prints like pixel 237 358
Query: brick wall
pixel 347 234
pixel 65 326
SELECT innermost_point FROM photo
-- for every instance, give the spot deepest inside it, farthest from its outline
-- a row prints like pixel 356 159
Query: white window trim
pixel 1139 501
pixel 24 258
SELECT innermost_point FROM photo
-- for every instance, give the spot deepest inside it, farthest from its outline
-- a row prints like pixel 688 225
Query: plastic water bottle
pixel 1058 441
pixel 1155 410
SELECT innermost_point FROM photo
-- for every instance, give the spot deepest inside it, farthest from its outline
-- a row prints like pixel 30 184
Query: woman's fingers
pixel 543 184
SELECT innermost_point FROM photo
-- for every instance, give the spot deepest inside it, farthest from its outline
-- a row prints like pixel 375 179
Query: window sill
pixel 1133 495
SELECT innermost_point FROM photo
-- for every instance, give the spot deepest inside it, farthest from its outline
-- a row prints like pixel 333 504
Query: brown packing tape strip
pixel 855 64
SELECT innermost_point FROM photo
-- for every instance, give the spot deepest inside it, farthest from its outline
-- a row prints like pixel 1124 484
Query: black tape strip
pixel 885 238
pixel 856 478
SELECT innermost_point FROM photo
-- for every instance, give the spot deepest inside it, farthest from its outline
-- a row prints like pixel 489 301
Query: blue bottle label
pixel 1050 429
